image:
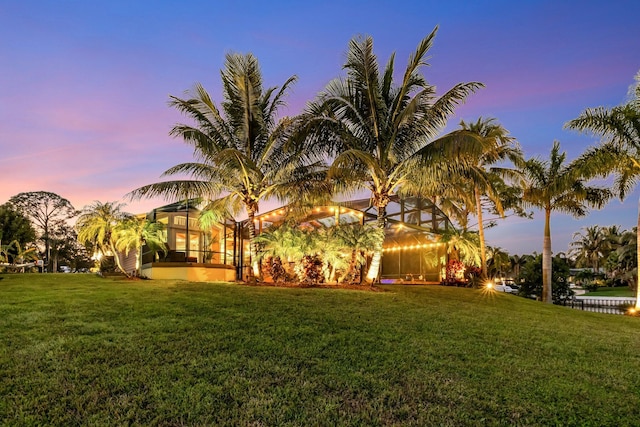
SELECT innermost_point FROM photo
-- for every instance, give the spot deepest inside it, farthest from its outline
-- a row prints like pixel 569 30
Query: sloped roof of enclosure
pixel 405 217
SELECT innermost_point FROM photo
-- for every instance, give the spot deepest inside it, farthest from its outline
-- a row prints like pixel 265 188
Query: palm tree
pixel 587 247
pixel 380 134
pixel 97 225
pixel 359 240
pixel 517 262
pixel 287 242
pixel 134 233
pixel 462 245
pixel 499 261
pixel 555 186
pixel 627 262
pixel 620 127
pixel 244 155
pixel 481 179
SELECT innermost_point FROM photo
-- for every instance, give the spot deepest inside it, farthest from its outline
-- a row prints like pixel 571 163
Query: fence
pixel 601 305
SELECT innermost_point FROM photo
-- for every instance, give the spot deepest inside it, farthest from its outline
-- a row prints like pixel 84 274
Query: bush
pixel 309 270
pixel 530 279
pixel 273 267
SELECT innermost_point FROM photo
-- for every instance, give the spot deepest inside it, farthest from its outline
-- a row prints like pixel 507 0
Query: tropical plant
pixel 329 246
pixel 133 233
pixel 244 155
pixel 588 247
pixel 531 279
pixel 381 135
pixel 483 175
pixel 622 261
pixel 97 225
pixel 462 245
pixel 47 211
pixel 620 128
pixel 552 186
pixel 358 240
pixel 499 261
pixel 14 254
pixel 517 262
pixel 14 225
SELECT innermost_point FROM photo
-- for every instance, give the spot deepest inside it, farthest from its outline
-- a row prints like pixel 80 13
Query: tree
pixel 517 262
pixel 625 263
pixel 46 211
pixel 555 186
pixel 531 279
pixel 588 247
pixel 15 226
pixel 482 179
pixel 381 135
pixel 462 245
pixel 97 225
pixel 358 240
pixel 66 250
pixel 133 233
pixel 499 261
pixel 244 154
pixel 620 128
pixel 14 254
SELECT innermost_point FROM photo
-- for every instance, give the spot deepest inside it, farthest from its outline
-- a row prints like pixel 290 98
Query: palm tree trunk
pixel 139 261
pixel 116 258
pixel 546 259
pixel 352 266
pixel 376 259
pixel 637 307
pixel 483 249
pixel 253 249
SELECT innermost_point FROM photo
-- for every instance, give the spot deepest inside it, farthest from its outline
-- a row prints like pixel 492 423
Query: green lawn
pixel 80 350
pixel 622 291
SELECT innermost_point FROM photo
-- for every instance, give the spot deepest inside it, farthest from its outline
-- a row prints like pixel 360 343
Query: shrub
pixel 309 269
pixel 530 279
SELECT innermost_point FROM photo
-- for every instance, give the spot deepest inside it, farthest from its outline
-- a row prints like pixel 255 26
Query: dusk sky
pixel 84 85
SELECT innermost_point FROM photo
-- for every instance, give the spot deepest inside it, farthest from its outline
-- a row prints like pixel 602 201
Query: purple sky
pixel 84 85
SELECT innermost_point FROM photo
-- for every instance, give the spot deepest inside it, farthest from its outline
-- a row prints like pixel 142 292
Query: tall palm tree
pixel 620 127
pixel 97 225
pixel 134 233
pixel 380 135
pixel 552 186
pixel 481 178
pixel 244 154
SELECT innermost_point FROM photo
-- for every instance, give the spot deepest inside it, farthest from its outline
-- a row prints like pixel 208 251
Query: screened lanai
pixel 411 251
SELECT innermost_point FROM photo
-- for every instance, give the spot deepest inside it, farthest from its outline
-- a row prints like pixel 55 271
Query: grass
pixel 622 291
pixel 80 350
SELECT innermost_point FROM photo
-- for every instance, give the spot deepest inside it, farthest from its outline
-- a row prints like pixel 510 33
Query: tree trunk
pixel 139 261
pixel 116 258
pixel 253 250
pixel 546 259
pixel 483 250
pixel 376 259
pixel 637 307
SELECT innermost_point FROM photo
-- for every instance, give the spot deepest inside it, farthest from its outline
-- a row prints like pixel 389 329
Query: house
pixel 411 251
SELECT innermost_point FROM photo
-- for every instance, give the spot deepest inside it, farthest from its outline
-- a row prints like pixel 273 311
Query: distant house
pixel 411 252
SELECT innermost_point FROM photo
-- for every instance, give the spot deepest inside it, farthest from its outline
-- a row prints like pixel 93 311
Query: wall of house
pixel 128 261
pixel 204 273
